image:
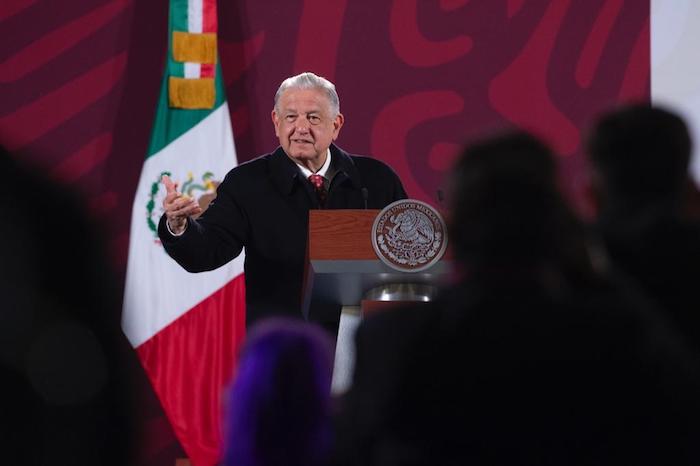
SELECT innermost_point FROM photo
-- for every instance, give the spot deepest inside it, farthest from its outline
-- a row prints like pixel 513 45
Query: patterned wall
pixel 79 82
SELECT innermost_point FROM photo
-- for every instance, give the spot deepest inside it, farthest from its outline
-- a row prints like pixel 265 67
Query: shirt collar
pixel 322 171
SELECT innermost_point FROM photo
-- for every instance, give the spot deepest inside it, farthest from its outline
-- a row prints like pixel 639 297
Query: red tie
pixel 317 183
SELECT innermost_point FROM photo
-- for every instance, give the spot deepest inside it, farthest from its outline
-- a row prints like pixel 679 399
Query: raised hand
pixel 178 207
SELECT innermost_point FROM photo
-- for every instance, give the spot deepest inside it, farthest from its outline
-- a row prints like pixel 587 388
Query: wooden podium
pixel 342 268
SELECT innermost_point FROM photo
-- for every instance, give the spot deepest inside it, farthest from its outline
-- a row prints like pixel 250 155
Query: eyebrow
pixel 311 113
pixel 318 112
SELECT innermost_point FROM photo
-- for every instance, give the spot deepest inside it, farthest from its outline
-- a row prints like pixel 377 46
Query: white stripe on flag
pixel 158 290
pixel 194 16
pixel 193 70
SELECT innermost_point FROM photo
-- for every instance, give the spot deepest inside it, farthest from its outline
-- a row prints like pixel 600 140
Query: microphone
pixel 365 195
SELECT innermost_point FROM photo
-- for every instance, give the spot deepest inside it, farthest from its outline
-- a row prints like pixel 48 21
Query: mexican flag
pixel 186 327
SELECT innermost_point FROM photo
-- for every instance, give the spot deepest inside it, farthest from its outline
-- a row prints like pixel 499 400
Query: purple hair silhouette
pixel 279 404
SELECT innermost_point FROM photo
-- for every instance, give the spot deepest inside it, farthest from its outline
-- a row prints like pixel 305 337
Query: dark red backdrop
pixel 79 83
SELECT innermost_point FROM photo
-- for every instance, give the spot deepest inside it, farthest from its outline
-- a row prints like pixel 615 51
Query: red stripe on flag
pixel 209 22
pixel 206 70
pixel 190 363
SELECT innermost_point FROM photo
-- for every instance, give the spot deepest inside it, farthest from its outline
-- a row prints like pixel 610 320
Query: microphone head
pixel 365 196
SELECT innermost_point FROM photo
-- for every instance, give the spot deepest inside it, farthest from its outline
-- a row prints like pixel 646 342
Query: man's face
pixel 305 125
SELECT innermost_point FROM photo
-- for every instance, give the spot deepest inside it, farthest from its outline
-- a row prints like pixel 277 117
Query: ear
pixel 275 122
pixel 337 124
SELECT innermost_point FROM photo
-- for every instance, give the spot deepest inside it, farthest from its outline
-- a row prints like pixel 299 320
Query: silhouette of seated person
pixel 279 404
pixel 639 157
pixel 534 357
pixel 65 393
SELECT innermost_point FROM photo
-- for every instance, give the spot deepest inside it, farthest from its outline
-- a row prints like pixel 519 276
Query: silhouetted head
pixel 279 405
pixel 506 208
pixel 640 154
pixel 64 363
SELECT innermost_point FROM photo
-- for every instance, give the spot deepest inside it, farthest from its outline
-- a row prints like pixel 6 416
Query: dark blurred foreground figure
pixel 639 159
pixel 279 405
pixel 534 358
pixel 64 397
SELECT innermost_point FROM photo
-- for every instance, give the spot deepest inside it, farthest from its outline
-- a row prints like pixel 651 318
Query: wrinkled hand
pixel 178 207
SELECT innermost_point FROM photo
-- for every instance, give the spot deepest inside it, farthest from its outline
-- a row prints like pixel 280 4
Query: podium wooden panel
pixel 340 234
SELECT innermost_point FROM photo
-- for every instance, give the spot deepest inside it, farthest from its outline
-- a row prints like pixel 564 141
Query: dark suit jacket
pixel 263 206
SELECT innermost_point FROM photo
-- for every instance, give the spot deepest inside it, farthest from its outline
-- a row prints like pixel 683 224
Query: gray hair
pixel 310 81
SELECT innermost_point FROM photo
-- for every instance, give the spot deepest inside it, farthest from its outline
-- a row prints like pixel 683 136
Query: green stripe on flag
pixel 175 69
pixel 171 123
pixel 178 16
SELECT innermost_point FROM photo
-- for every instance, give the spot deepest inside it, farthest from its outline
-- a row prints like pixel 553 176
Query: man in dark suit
pixel 263 205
